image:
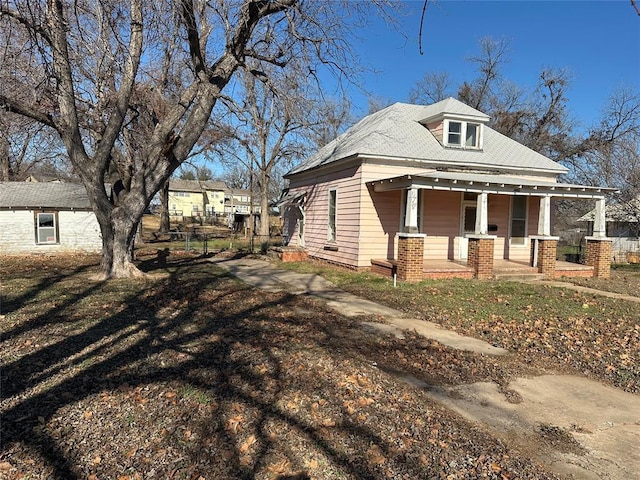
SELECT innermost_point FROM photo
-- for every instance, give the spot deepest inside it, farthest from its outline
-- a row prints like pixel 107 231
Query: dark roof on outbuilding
pixel 35 195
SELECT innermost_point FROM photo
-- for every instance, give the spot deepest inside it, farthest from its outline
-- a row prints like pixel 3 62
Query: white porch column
pixel 544 217
pixel 411 211
pixel 482 214
pixel 599 222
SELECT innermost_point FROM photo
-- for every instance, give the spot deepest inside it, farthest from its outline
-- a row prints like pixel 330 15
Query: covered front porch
pixel 481 250
pixel 502 269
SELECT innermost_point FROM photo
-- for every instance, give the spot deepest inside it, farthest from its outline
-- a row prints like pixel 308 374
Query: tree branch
pixel 13 106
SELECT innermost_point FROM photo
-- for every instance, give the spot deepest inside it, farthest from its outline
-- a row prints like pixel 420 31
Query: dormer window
pixel 472 137
pixel 457 131
pixel 455 134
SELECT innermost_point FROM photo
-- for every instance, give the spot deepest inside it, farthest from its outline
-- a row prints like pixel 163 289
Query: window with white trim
pixel 518 220
pixel 333 204
pixel 472 136
pixel 463 134
pixel 454 134
pixel 46 225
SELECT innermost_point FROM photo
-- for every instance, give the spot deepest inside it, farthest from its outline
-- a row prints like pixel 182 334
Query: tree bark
pixel 264 206
pixel 164 208
pixel 4 160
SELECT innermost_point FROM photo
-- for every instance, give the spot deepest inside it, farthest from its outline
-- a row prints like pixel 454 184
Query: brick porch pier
pixel 599 255
pixel 543 254
pixel 410 256
pixel 480 256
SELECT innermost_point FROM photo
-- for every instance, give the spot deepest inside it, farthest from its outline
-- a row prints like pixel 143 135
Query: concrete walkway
pixel 604 421
pixel 265 275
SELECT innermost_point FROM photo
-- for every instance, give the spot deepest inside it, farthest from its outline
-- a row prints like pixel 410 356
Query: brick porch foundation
pixel 543 250
pixel 599 255
pixel 480 256
pixel 410 256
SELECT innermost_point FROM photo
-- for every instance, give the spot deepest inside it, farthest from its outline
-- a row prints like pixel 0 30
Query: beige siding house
pixel 419 191
pixel 194 198
pixel 47 218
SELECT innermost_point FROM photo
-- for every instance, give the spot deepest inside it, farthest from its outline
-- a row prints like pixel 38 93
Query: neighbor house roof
pixel 36 195
pixel 398 132
pixel 179 185
pixel 625 212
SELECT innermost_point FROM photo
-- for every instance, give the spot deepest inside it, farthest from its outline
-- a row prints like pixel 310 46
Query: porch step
pixel 518 277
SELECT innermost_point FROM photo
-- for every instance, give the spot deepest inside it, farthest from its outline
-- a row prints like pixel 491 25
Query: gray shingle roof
pixel 179 185
pixel 396 132
pixel 43 195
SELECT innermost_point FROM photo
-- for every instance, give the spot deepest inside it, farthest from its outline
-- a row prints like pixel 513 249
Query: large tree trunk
pixel 264 207
pixel 4 160
pixel 164 208
pixel 118 236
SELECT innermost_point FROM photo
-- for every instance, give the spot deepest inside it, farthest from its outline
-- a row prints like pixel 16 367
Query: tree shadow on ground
pixel 192 338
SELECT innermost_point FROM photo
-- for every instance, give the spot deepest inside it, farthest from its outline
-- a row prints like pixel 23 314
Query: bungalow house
pixel 622 226
pixel 47 218
pixel 432 191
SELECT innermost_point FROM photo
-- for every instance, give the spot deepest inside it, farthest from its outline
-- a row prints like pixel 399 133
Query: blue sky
pixel 597 41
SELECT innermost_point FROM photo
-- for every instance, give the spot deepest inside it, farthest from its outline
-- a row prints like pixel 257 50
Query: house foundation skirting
pixel 599 255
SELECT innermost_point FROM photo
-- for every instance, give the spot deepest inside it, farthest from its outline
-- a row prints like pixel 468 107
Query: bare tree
pixel 614 156
pixel 77 69
pixel 480 92
pixel 432 88
pixel 268 129
pixel 27 147
pixel 236 176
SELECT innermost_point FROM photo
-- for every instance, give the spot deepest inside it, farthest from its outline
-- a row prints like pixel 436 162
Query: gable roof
pixel 396 132
pixel 36 195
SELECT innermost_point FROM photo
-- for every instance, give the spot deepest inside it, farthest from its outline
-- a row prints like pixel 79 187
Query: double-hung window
pixel 46 224
pixel 518 220
pixel 333 203
pixel 472 136
pixel 454 137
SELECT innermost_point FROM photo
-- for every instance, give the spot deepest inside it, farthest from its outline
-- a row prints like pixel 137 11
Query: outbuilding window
pixel 46 227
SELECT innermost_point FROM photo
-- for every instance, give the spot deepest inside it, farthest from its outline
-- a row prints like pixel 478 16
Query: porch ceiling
pixel 484 183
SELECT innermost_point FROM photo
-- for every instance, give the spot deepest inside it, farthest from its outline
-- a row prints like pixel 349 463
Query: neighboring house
pixel 47 218
pixel 238 201
pixel 194 198
pixel 216 194
pixel 622 226
pixel 187 198
pixel 423 191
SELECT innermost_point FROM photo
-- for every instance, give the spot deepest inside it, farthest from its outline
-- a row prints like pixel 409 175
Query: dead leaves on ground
pixel 233 383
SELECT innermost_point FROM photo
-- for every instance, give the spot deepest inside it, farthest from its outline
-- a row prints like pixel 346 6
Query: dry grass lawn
pixel 191 374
